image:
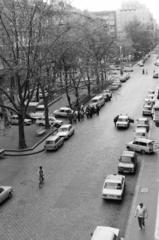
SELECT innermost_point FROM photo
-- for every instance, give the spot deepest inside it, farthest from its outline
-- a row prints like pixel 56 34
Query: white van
pixel 53 142
pixel 97 100
pixel 142 145
pixel 105 233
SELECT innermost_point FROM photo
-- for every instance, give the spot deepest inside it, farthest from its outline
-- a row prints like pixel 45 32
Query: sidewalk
pixel 147 190
pixel 9 136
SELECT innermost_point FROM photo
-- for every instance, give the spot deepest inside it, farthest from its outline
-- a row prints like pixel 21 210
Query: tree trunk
pixel 22 143
pixel 88 85
pixel 47 125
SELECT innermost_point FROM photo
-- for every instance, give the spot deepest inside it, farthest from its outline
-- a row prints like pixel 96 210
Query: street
pixel 69 206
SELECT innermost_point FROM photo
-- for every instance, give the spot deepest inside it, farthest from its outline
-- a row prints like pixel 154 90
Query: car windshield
pixel 94 100
pixel 122 119
pixel 112 185
pixel 125 159
pixel 63 129
pixel 49 142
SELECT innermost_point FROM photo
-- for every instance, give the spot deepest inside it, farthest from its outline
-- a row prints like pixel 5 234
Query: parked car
pixel 14 120
pixel 150 98
pixel 53 142
pixel 105 233
pixel 141 132
pixel 127 162
pixel 123 78
pixel 97 101
pixel 113 187
pixel 52 121
pixel 114 86
pixel 66 131
pixel 143 122
pixel 155 75
pixel 128 69
pixel 63 112
pixel 147 110
pixel 5 193
pixel 142 145
pixel 140 63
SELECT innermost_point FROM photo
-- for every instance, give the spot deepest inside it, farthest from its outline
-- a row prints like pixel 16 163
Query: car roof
pixel 52 138
pixel 146 140
pixel 65 125
pixel 128 154
pixel 114 178
pixel 142 119
pixel 65 108
pixel 103 233
pixel 123 116
pixel 141 129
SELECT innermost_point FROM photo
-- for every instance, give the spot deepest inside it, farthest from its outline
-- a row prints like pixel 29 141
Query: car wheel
pixel 143 151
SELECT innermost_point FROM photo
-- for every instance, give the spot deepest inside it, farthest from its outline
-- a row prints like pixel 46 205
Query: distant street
pixel 69 206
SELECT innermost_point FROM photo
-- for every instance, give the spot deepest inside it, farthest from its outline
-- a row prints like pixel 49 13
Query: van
pixel 127 162
pixel 106 233
pixel 97 100
pixel 142 145
pixel 141 132
pixel 53 142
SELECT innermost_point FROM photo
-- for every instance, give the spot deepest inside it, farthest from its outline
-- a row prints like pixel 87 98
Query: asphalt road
pixel 69 206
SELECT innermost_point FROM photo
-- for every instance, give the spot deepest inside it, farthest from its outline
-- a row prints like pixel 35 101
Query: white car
pixel 127 162
pixel 66 131
pixel 143 122
pixel 147 110
pixel 128 69
pixel 63 112
pixel 115 86
pixel 52 121
pixel 113 187
pixel 150 99
pixel 140 63
pixel 123 121
pixel 5 193
pixel 106 233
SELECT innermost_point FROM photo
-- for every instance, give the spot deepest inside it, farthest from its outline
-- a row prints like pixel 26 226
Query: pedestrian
pixel 97 110
pixel 116 119
pixel 143 71
pixel 141 213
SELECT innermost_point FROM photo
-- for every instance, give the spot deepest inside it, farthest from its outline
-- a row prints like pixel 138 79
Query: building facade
pixel 133 10
pixel 110 20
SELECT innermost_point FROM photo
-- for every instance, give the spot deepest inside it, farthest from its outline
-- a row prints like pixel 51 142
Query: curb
pixel 22 151
pixel 25 154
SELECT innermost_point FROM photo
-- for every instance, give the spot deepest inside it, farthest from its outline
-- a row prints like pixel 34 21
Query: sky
pixel 101 5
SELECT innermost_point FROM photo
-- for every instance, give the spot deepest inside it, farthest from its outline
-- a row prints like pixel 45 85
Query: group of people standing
pixel 81 113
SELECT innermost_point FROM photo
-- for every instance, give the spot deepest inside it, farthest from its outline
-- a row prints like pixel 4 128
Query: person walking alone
pixel 141 213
